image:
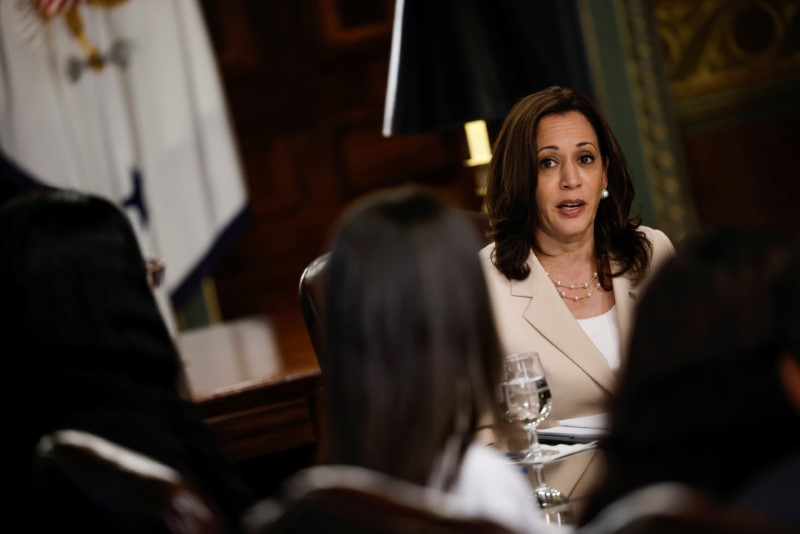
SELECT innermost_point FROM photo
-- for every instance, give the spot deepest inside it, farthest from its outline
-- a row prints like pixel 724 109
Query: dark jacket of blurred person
pixel 701 401
pixel 82 324
pixel 776 492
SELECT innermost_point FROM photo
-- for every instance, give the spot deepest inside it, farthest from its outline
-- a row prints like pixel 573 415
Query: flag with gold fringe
pixel 121 98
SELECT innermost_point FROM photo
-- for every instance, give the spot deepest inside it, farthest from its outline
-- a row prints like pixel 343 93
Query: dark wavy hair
pixel 511 191
pixel 411 340
pixel 75 292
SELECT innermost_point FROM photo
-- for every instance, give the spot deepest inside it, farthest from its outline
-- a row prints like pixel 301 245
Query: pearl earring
pixel 605 193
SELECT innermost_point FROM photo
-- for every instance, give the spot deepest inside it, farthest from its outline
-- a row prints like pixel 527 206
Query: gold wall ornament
pixel 656 117
pixel 712 45
pixel 625 57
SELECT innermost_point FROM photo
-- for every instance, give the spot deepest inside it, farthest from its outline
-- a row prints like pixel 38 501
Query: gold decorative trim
pixel 718 46
pixel 663 156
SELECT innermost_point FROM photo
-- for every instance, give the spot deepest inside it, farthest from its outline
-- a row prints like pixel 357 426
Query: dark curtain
pixel 464 60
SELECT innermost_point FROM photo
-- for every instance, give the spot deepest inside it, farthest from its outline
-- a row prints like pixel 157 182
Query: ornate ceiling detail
pixel 711 46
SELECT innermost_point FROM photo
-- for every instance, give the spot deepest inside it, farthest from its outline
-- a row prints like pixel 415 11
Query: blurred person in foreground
pixel 79 319
pixel 568 259
pixel 708 409
pixel 413 357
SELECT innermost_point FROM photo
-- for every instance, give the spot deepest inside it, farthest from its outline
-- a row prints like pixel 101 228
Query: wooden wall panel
pixel 305 82
pixel 369 161
pixel 746 172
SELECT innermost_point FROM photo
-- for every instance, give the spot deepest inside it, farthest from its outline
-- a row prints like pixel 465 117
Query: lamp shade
pixel 454 61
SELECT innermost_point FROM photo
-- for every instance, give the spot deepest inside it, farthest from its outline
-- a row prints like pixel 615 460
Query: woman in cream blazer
pixel 565 249
pixel 531 316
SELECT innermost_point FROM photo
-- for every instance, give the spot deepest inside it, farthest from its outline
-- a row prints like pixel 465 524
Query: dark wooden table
pixel 256 400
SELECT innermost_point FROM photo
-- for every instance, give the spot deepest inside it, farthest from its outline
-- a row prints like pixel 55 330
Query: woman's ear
pixel 789 372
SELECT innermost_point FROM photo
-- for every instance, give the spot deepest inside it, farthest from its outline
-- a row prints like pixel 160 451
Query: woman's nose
pixel 570 177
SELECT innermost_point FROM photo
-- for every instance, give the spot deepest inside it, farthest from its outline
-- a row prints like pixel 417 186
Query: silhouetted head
pixel 76 293
pixel 413 352
pixel 703 368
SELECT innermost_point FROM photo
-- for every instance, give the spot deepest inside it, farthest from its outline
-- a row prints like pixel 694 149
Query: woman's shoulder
pixel 485 253
pixel 483 459
pixel 490 271
pixel 657 238
pixel 662 247
pixel 486 475
pixel 492 486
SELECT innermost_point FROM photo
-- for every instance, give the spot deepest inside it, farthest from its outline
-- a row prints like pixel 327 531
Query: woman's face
pixel 571 178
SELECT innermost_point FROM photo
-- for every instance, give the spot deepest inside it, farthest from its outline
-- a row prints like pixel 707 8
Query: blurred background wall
pixel 703 94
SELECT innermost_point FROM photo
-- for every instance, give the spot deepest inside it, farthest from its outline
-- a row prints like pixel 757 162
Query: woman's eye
pixel 586 159
pixel 547 163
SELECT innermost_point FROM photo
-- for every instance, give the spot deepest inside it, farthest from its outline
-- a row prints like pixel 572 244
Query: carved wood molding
pixel 715 49
pixel 656 118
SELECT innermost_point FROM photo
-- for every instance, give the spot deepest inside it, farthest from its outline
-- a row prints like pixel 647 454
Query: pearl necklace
pixel 585 285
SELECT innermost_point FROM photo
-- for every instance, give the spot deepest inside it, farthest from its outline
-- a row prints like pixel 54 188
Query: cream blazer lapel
pixel 548 314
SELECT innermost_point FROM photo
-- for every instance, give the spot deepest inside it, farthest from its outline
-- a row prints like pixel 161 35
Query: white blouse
pixel 604 333
pixel 490 486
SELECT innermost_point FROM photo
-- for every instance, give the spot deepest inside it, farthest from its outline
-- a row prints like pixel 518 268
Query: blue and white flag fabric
pixel 121 98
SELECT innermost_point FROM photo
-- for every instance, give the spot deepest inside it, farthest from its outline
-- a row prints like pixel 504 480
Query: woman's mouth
pixel 571 208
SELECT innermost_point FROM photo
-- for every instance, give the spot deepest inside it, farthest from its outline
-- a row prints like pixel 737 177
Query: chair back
pixel 88 484
pixel 312 288
pixel 672 508
pixel 347 499
pixel 312 302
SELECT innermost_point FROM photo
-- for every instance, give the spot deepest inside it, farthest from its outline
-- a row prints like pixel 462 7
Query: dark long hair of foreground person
pixel 413 353
pixel 700 401
pixel 81 321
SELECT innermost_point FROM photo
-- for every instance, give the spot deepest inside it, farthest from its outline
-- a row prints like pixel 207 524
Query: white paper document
pixel 578 429
pixel 596 421
pixel 553 452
